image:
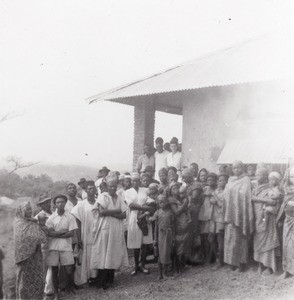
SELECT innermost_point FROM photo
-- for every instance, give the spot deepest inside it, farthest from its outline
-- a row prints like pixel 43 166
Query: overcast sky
pixel 55 54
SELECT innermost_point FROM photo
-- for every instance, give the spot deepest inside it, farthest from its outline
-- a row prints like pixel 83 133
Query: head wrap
pixel 21 209
pixel 238 163
pixel 263 171
pixel 27 234
pixel 127 177
pixel 275 175
pixel 188 172
pixel 111 178
pixel 135 176
pixel 202 170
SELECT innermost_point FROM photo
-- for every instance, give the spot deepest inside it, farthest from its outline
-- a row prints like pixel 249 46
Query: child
pixel 202 177
pixel 274 193
pixel 153 193
pixel 205 214
pixel 164 234
pixel 151 204
pixel 179 203
pixel 217 224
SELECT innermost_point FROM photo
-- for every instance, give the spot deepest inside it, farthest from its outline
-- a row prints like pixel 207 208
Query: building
pixel 236 98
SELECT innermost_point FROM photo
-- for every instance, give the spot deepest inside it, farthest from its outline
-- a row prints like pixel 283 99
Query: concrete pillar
pixel 144 121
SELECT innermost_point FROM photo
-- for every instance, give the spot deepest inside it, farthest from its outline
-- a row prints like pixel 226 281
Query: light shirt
pixel 97 184
pixel 69 205
pixel 57 222
pixel 144 161
pixel 42 212
pixel 160 162
pixel 175 160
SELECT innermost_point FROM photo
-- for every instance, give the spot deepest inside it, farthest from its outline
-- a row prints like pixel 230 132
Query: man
pixel 72 201
pixel 61 227
pixel 103 173
pixel 160 156
pixel 44 202
pixel 147 159
pixel 83 214
pixel 150 172
pixel 82 186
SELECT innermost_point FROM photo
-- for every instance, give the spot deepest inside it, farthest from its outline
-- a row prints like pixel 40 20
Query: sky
pixel 55 54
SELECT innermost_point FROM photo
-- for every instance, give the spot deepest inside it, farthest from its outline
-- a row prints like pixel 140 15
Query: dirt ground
pixel 199 282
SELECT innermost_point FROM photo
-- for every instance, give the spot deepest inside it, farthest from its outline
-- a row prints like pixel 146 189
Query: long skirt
pixel 165 246
pixel 30 278
pixel 288 245
pixel 182 243
pixel 235 246
pixel 268 258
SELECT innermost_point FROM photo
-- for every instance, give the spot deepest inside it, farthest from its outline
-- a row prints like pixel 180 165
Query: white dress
pixel 109 248
pixel 135 235
pixel 83 212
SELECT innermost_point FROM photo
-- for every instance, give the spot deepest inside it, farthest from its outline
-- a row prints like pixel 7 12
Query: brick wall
pixel 144 121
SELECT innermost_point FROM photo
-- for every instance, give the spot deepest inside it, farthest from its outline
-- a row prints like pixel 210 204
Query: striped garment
pixel 265 239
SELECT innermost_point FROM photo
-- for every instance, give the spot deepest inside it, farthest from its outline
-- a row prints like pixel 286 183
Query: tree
pixel 18 164
pixel 9 116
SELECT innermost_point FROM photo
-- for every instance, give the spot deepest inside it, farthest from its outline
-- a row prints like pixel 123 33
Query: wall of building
pixel 144 121
pixel 211 116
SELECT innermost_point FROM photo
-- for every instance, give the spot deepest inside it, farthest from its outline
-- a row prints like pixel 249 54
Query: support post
pixel 144 121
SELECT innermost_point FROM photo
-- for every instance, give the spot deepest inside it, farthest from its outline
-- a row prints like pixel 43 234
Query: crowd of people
pixel 165 213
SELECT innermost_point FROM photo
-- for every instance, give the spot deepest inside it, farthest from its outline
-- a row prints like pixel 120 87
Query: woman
pixel 28 256
pixel 136 197
pixel 265 238
pixel 194 192
pixel 287 212
pixel 109 249
pixel 179 206
pixel 174 158
pixel 238 218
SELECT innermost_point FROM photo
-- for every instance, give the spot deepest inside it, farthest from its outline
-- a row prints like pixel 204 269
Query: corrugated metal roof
pixel 261 59
pixel 254 151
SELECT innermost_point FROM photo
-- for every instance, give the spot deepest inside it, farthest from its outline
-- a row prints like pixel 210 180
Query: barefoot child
pixel 217 224
pixel 164 234
pixel 179 204
pixel 205 215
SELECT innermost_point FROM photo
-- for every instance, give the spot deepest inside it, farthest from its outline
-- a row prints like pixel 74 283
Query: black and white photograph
pixel 147 149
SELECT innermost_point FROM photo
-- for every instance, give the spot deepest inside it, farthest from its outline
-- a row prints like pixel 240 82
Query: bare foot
pixel 267 272
pixel 259 270
pixel 217 267
pixel 285 275
pixel 233 268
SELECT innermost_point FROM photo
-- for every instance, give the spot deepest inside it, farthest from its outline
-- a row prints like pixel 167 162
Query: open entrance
pixel 168 125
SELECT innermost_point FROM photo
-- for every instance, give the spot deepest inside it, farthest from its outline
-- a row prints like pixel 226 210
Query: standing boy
pixel 61 225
